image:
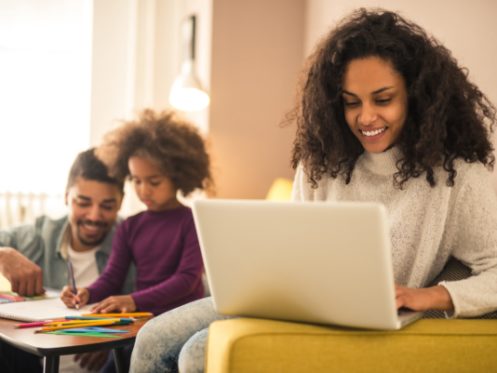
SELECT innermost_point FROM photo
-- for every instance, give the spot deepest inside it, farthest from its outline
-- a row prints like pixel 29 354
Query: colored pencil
pixel 80 325
pixel 130 319
pixel 72 322
pixel 135 315
pixel 36 323
pixel 72 281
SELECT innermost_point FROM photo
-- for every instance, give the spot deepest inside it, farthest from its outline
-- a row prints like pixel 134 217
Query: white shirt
pixel 84 266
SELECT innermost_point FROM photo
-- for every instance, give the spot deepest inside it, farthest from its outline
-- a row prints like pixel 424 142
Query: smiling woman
pixel 375 102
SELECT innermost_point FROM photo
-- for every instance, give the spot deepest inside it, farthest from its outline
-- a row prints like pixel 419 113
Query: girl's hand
pixel 120 303
pixel 74 300
pixel 424 299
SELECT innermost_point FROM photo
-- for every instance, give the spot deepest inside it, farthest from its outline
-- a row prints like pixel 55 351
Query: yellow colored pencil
pixel 135 315
pixel 72 322
pixel 80 325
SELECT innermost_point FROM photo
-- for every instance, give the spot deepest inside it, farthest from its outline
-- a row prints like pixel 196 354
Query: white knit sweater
pixel 427 224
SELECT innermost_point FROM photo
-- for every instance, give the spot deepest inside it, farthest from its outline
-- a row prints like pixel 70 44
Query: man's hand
pixel 25 277
pixel 119 303
pixel 92 360
pixel 424 299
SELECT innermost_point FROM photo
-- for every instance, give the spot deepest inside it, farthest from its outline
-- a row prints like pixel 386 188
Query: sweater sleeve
pixel 472 227
pixel 111 281
pixel 178 288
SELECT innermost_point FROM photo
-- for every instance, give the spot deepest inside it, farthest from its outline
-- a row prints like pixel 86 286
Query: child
pixel 386 115
pixel 161 155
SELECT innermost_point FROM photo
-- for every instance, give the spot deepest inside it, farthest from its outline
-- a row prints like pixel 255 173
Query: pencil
pixel 72 280
pixel 36 323
pixel 96 318
pixel 135 315
pixel 80 325
pixel 72 322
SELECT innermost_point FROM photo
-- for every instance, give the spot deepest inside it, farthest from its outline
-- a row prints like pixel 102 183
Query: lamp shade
pixel 187 93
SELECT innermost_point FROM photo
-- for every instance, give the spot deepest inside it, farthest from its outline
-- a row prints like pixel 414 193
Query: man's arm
pixel 18 249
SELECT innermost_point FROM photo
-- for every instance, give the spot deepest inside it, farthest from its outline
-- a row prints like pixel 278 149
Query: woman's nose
pixel 367 116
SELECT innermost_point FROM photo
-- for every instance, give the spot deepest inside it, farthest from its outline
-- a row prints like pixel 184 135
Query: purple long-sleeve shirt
pixel 165 249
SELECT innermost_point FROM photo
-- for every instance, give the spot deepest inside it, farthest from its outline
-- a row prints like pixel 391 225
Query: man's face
pixel 93 207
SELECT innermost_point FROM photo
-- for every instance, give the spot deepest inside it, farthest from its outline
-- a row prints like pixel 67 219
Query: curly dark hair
pixel 174 144
pixel 448 116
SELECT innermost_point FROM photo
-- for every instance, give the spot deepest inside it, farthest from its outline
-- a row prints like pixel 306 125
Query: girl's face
pixel 375 102
pixel 153 188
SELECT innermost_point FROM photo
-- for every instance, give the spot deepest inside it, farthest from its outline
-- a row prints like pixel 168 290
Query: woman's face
pixel 375 102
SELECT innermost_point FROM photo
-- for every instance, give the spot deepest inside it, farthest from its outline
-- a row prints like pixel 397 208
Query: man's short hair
pixel 89 167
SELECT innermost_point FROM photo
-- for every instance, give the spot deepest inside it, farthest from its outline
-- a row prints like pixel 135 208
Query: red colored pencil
pixel 36 323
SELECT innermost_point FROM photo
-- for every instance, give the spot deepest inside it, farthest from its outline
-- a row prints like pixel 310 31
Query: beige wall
pixel 256 56
pixel 248 55
pixel 467 28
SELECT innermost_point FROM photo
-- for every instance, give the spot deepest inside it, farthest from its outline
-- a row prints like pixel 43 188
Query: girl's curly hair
pixel 175 145
pixel 448 116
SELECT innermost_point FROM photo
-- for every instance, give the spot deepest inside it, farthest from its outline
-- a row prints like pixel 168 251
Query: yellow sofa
pixel 247 345
pixel 429 345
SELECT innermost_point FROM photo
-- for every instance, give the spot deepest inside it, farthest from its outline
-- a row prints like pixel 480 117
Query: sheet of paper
pixel 45 309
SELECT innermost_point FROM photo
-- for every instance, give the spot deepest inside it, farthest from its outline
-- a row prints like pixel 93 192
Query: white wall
pixel 113 86
pixel 135 59
pixel 467 28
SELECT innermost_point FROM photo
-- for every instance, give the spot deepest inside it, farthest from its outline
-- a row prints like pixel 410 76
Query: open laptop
pixel 316 262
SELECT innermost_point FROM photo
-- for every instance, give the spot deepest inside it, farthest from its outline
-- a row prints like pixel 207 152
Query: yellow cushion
pixel 280 190
pixel 429 345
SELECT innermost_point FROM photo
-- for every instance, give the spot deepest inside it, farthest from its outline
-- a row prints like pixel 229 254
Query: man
pixel 33 257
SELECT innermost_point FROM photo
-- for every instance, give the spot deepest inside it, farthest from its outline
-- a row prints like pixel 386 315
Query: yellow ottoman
pixel 429 345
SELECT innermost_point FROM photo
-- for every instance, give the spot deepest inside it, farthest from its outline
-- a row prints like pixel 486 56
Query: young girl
pixel 161 155
pixel 385 114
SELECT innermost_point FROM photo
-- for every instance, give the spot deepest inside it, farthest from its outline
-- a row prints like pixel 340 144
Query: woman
pixel 386 114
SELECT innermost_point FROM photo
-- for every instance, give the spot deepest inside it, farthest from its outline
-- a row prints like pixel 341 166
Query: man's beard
pixel 92 242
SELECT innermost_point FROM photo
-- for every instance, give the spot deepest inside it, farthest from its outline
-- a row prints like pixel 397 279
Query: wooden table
pixel 51 346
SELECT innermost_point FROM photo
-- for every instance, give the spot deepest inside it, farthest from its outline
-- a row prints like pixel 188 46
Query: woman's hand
pixel 424 299
pixel 120 303
pixel 72 300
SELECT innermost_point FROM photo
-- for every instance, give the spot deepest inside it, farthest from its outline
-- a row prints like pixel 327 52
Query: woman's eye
pixel 383 101
pixel 351 104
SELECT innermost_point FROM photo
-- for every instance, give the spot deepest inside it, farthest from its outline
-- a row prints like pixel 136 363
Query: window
pixel 45 57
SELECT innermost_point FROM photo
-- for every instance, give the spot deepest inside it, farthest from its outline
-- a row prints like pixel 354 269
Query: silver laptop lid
pixel 319 262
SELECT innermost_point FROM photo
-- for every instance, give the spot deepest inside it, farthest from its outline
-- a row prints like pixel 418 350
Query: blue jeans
pixel 175 339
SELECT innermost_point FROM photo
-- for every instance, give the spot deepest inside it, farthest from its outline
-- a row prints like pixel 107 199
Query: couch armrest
pixel 429 345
